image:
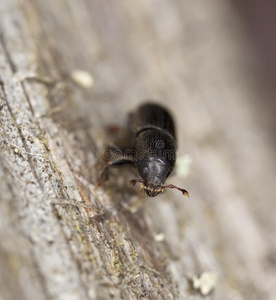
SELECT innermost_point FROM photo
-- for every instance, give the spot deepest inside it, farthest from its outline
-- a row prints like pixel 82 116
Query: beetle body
pixel 153 129
pixel 153 139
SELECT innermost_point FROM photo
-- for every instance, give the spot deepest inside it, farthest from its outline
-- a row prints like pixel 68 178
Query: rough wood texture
pixel 194 57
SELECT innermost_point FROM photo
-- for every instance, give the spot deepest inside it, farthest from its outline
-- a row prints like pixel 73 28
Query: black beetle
pixel 153 148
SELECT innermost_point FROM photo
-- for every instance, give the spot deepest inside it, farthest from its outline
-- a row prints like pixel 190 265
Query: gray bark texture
pixel 62 236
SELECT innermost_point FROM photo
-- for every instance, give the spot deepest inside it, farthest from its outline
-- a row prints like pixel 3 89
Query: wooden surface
pixel 191 56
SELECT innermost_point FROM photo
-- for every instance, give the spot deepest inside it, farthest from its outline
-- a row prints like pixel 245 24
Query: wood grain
pixel 62 237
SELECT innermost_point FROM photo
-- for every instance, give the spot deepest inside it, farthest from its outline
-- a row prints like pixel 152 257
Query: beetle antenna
pixel 171 186
pixel 134 181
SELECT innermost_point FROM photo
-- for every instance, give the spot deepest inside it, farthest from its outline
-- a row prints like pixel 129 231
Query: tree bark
pixel 62 236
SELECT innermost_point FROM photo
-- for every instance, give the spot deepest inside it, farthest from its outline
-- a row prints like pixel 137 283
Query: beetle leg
pixel 110 151
pixel 134 181
pixel 120 162
pixel 113 147
pixel 171 186
pixel 103 175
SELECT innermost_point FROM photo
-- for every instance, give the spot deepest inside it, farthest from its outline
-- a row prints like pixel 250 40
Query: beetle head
pixel 154 173
pixel 152 191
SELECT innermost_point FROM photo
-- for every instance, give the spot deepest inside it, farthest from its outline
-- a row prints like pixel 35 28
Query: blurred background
pixel 259 23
